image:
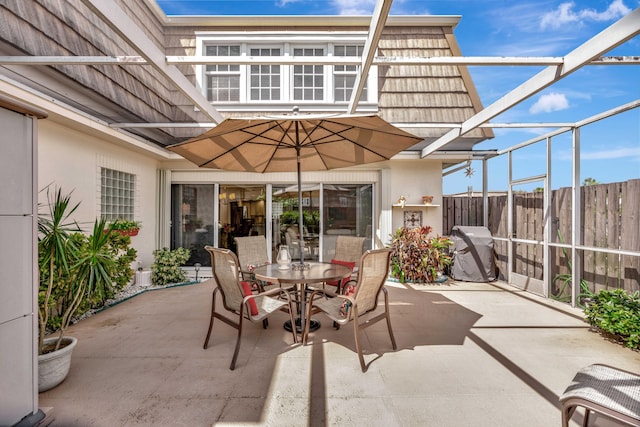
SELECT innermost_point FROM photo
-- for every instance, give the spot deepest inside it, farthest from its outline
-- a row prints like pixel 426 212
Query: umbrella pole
pixel 300 217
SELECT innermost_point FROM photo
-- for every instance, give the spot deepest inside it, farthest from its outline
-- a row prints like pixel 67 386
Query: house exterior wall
pixel 72 153
pixel 71 159
pixel 414 179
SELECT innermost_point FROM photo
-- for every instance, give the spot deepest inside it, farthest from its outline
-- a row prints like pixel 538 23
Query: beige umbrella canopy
pixel 295 143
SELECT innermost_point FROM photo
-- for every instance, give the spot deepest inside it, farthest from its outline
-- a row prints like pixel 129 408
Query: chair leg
pixel 213 310
pixel 237 350
pixel 567 413
pixel 356 335
pixel 293 324
pixel 388 316
pixel 587 412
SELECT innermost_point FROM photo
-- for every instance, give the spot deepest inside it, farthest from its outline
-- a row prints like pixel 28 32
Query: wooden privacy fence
pixel 610 216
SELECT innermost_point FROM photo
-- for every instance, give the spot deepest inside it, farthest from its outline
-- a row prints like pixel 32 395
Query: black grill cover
pixel 473 259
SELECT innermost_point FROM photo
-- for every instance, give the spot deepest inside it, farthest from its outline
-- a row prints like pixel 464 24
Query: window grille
pixel 308 80
pixel 344 76
pixel 265 79
pixel 223 80
pixel 288 83
pixel 117 194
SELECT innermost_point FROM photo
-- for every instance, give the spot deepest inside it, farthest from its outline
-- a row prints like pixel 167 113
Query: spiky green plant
pixel 57 254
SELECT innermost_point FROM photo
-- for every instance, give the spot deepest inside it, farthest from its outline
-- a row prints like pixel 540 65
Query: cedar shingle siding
pixel 139 93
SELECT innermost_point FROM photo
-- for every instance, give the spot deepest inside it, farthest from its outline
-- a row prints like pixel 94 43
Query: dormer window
pixel 229 86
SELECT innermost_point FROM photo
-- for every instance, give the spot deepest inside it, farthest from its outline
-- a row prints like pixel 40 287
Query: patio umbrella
pixel 295 143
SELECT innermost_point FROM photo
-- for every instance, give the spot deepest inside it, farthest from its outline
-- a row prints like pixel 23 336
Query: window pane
pixel 223 80
pixel 265 79
pixel 308 78
pixel 117 195
pixel 347 210
pixel 192 225
pixel 344 77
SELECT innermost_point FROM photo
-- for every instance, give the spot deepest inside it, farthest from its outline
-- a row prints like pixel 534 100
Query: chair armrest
pixel 271 292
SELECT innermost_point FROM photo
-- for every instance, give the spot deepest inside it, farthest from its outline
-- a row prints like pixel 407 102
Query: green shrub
pixel 617 313
pixel 121 256
pixel 166 266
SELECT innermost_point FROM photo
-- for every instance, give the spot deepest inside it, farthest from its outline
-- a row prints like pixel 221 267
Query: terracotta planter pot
pixel 427 200
pixel 125 232
pixel 53 367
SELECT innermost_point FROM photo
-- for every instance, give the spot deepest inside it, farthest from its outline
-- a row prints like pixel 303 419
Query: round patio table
pixel 314 272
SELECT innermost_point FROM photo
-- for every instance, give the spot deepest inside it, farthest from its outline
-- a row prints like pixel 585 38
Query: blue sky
pixel 610 149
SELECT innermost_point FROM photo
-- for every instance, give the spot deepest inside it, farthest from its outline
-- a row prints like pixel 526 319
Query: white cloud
pixel 617 153
pixel 566 14
pixel 354 7
pixel 548 103
pixel 604 154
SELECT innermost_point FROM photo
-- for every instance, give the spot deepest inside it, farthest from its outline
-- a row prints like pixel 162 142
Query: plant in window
pixel 125 227
pixel 417 257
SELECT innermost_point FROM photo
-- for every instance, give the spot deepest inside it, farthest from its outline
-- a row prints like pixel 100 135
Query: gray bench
pixel 604 390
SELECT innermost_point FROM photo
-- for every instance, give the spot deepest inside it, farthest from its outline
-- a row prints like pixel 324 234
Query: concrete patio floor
pixel 468 354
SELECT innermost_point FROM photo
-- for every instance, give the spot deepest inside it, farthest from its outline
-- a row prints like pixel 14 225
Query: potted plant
pixel 71 266
pixel 418 257
pixel 125 227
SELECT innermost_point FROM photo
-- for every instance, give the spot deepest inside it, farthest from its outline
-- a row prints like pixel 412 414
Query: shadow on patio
pixel 468 354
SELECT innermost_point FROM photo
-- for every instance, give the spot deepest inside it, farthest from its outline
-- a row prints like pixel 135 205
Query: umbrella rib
pixel 333 133
pixel 253 142
pixel 280 142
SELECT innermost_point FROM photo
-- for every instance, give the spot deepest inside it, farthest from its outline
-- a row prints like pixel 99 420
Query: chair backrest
pixel 293 243
pixel 252 250
pixel 349 248
pixel 224 266
pixel 374 268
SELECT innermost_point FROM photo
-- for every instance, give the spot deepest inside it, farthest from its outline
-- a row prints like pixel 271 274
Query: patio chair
pixel 293 242
pixel 340 284
pixel 238 299
pixel 605 390
pixel 350 248
pixel 252 251
pixel 343 309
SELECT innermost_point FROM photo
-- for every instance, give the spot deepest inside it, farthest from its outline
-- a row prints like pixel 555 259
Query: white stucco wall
pixel 414 179
pixel 72 159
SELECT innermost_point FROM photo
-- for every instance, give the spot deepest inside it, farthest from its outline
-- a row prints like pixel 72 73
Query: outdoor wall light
pixel 197 266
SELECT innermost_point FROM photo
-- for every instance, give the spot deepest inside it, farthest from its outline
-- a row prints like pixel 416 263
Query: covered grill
pixel 473 255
